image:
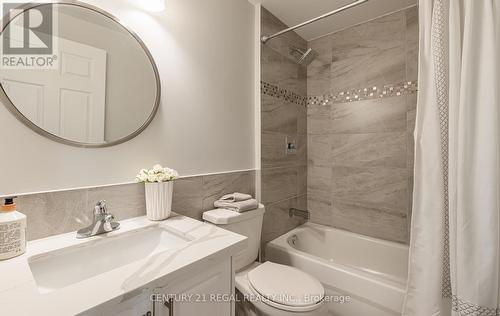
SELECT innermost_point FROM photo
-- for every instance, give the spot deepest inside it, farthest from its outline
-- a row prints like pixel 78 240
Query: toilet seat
pixel 285 287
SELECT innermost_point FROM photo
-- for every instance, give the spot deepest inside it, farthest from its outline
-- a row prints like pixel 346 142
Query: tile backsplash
pixel 60 212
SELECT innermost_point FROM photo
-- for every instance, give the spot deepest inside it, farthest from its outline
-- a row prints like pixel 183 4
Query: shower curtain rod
pixel 348 6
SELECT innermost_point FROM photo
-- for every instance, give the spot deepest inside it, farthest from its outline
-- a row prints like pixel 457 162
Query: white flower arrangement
pixel 157 174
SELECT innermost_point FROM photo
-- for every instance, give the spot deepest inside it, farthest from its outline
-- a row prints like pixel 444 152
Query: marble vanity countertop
pixel 20 295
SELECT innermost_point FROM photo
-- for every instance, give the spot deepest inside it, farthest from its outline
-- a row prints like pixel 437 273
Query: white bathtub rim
pixel 361 284
pixel 282 242
pixel 351 271
pixel 381 294
pixel 349 233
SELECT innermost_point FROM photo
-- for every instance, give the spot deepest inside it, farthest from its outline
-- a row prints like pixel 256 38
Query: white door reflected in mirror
pixel 70 101
pixel 104 88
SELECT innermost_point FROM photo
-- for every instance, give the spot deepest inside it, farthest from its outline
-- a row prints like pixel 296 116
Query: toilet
pixel 267 289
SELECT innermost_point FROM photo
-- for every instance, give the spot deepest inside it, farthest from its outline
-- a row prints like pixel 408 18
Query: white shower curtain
pixel 455 237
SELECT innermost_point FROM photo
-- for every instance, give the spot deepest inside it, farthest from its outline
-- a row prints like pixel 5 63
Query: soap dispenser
pixel 12 230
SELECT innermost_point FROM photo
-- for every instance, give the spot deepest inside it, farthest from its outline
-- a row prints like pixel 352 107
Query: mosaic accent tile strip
pixel 280 93
pixel 398 89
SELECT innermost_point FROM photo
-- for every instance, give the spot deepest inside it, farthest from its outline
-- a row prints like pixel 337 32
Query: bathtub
pixel 362 276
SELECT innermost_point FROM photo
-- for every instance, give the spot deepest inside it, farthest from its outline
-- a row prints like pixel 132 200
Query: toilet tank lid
pixel 223 216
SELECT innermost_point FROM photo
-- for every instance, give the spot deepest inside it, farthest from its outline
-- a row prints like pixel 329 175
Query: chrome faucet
pixel 103 222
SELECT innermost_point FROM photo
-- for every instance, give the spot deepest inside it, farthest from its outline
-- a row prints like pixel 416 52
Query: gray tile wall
pixel 284 177
pixel 65 211
pixel 360 154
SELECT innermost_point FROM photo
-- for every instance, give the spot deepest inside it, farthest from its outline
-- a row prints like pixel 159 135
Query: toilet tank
pixel 248 224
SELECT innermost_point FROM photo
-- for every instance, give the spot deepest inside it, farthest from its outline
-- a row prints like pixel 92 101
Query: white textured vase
pixel 159 200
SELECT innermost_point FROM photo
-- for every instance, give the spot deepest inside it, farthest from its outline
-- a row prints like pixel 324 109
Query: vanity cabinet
pixel 207 290
pixel 207 293
pixel 132 304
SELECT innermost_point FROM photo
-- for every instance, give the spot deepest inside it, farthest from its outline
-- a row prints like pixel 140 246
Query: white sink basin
pixel 58 269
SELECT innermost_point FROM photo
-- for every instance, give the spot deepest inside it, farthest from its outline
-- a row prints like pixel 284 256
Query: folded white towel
pixel 241 206
pixel 235 197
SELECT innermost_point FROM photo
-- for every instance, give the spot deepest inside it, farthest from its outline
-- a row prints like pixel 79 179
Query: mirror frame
pixel 14 110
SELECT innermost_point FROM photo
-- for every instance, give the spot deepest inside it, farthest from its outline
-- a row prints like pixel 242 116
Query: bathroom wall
pixel 362 98
pixel 205 54
pixel 204 51
pixel 283 116
pixel 66 211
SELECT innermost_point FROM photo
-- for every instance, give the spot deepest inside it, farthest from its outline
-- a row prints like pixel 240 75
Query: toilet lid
pixel 286 285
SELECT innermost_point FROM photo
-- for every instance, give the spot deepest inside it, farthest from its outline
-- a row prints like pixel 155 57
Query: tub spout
pixel 300 213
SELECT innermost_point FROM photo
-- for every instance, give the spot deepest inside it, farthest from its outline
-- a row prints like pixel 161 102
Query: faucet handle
pixel 100 208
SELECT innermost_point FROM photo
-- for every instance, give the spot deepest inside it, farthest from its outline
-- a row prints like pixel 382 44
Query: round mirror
pixel 75 74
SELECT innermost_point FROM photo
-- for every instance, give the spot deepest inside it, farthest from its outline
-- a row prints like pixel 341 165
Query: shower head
pixel 303 57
